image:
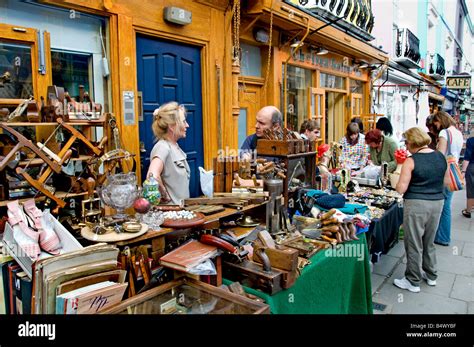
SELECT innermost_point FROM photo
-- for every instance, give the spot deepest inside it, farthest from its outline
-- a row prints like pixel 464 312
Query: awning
pixel 289 17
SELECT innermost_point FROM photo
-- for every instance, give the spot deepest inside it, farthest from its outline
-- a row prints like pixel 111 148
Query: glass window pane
pixel 71 70
pixel 15 60
pixel 251 61
pixel 332 81
pixel 298 82
pixel 242 126
pixel 356 86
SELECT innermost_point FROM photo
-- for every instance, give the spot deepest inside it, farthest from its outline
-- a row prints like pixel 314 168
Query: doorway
pixel 169 71
pixel 335 116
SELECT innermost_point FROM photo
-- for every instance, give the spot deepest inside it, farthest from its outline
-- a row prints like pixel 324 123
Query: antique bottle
pixel 151 190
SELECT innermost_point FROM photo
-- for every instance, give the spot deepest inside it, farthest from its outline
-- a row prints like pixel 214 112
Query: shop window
pixel 332 81
pixel 298 82
pixel 242 126
pixel 251 61
pixel 15 61
pixel 356 86
pixel 72 70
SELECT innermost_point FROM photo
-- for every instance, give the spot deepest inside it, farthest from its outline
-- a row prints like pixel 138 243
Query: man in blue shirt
pixel 269 117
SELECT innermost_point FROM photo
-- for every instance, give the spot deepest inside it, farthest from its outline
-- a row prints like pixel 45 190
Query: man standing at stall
pixel 269 117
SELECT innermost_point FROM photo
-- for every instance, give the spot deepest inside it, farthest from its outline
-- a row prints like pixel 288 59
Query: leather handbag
pixel 455 180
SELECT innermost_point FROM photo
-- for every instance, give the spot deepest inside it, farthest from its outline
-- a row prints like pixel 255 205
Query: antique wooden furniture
pixel 42 157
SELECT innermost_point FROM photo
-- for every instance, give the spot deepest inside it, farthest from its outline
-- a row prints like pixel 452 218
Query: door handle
pixel 142 147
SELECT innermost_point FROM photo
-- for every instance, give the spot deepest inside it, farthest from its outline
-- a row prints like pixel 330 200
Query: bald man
pixel 269 117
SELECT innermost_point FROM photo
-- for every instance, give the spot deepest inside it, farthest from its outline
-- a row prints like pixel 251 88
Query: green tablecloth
pixel 335 282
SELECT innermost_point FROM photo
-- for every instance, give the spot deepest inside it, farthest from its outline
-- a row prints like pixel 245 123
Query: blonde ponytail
pixel 164 117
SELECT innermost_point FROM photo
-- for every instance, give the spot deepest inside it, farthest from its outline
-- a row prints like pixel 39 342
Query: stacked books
pixel 90 299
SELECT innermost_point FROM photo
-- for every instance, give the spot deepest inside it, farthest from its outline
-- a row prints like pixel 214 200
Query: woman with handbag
pixel 421 183
pixel 450 143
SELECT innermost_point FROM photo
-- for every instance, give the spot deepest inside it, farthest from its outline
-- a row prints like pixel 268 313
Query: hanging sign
pixel 458 82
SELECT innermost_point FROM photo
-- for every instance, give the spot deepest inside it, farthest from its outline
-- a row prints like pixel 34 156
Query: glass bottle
pixel 151 190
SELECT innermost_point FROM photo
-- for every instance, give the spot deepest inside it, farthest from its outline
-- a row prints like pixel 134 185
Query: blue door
pixel 169 71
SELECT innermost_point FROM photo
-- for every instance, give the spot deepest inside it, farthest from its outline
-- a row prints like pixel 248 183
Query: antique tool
pixel 275 188
pixel 17 114
pixel 90 215
pixel 24 142
pixel 284 259
pixel 111 158
pixel 305 249
pixel 253 275
pixel 233 251
pixel 32 111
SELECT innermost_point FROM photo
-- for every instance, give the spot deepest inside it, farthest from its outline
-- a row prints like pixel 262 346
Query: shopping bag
pixel 455 180
pixel 207 181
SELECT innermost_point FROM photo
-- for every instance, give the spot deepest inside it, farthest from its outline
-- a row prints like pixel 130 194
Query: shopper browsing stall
pixel 382 149
pixel 359 122
pixel 384 125
pixel 168 161
pixel 309 130
pixel 447 130
pixel 421 183
pixel 354 152
pixel 268 117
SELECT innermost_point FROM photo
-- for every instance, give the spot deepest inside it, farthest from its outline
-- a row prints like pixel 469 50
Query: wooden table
pixel 158 237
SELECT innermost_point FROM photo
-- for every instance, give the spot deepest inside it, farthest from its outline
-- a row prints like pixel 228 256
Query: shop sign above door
pixel 458 82
pixel 309 57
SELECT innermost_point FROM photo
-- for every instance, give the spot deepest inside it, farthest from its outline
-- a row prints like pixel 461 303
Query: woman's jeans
pixel 443 235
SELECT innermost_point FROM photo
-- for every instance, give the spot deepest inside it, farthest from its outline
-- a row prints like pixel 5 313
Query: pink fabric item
pixel 48 240
pixel 26 238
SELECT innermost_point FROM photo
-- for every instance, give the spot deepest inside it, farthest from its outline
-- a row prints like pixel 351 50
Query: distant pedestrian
pixel 432 132
pixel 468 173
pixel 446 126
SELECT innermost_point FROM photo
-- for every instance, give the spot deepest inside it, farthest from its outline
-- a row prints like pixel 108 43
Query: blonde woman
pixel 421 183
pixel 168 161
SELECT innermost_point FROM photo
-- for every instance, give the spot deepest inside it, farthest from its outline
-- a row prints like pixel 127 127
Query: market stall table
pixel 334 283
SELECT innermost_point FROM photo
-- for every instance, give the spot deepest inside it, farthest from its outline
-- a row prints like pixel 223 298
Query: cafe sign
pixel 458 82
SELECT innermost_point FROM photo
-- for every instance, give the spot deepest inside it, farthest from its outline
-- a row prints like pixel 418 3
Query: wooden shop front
pixel 327 72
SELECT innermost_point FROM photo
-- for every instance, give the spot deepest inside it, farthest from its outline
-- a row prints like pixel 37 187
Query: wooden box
pixel 188 296
pixel 278 148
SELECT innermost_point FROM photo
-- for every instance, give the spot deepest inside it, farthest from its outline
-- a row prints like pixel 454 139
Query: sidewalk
pixel 454 292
